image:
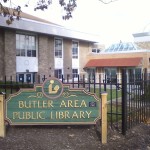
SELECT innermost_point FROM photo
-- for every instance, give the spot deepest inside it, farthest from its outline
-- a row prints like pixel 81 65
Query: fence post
pixel 104 118
pixel 124 101
pixel 2 122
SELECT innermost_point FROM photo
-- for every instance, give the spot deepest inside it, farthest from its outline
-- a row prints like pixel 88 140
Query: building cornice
pixel 48 29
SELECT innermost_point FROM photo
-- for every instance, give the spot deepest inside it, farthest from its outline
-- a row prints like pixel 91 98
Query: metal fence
pixel 128 101
pixel 135 100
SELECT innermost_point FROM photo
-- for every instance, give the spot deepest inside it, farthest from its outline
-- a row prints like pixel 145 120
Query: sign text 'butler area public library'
pixel 52 103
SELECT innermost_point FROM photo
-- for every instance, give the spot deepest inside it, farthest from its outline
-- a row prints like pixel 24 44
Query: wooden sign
pixel 52 103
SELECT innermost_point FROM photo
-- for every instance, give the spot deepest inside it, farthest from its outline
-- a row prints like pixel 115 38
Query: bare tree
pixel 15 12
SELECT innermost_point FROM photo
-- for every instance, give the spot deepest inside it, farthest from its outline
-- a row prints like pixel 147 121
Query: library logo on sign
pixel 52 88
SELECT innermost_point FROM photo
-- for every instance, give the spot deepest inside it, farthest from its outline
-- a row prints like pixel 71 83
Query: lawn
pixel 112 93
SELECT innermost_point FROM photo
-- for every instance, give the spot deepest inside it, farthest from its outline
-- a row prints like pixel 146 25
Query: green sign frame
pixel 52 103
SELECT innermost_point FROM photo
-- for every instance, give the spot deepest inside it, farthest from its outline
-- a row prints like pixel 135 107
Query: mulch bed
pixel 74 138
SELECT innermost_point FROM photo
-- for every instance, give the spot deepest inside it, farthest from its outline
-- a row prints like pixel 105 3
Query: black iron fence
pixel 9 86
pixel 128 101
pixel 135 100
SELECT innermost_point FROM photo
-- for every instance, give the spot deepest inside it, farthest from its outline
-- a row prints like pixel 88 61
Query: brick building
pixel 34 46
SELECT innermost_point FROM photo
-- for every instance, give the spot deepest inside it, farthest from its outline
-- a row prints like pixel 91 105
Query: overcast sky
pixel 113 22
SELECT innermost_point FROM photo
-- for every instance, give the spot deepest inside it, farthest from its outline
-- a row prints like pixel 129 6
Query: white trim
pixel 49 29
pixel 24 63
pixel 142 39
pixel 58 62
pixel 75 61
pixel 132 51
pixel 62 46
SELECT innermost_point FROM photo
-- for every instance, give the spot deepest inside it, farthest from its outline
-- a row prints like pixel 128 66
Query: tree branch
pixel 68 7
pixel 10 13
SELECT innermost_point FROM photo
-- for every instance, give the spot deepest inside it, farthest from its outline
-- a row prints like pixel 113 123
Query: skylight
pixel 120 47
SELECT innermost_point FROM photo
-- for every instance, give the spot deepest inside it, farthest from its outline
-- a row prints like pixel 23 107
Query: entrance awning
pixel 114 62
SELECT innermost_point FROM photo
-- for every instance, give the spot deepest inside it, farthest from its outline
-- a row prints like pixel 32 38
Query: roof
pixel 31 17
pixel 28 16
pixel 141 37
pixel 31 23
pixel 122 47
pixel 141 34
pixel 115 62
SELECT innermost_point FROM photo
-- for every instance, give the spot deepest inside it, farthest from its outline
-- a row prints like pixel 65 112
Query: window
pixel 25 45
pixel 75 50
pixel 75 73
pixel 126 46
pixel 58 73
pixel 111 75
pixel 91 73
pixel 95 50
pixel 98 50
pixel 25 77
pixel 131 46
pixel 138 71
pixel 58 48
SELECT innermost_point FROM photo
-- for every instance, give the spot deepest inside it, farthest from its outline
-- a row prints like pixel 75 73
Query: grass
pixel 112 93
pixel 114 113
pixel 147 93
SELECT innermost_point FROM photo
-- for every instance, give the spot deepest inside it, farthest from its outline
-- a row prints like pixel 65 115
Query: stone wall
pixel 51 55
pixel 1 54
pixel 85 48
pixel 43 55
pixel 10 53
pixel 67 52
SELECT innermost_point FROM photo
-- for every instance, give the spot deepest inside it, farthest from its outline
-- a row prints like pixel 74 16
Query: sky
pixel 112 22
